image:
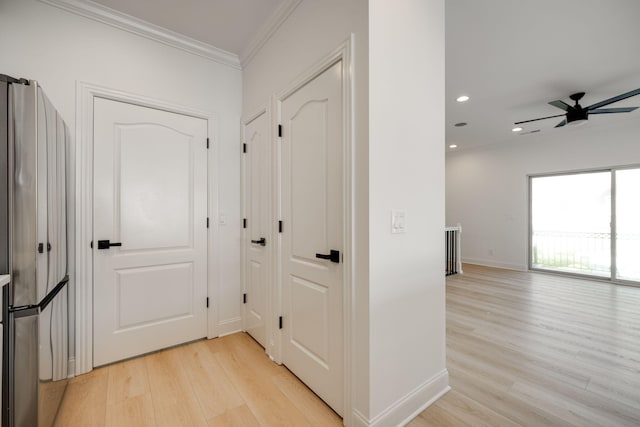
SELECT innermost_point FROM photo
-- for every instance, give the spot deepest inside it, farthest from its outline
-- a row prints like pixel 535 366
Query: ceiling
pixel 230 25
pixel 511 57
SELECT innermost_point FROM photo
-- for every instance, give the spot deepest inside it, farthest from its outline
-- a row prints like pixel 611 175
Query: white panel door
pixel 150 195
pixel 312 213
pixel 256 271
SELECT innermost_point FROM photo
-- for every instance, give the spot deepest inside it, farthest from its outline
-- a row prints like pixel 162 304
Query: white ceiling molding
pixel 269 28
pixel 106 15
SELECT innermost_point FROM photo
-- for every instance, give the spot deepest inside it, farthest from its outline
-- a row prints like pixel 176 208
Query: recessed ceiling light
pixel 463 98
pixel 517 129
pixel 453 146
pixel 459 125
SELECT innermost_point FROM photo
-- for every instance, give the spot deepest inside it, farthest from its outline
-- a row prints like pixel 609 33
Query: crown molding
pixel 106 15
pixel 268 29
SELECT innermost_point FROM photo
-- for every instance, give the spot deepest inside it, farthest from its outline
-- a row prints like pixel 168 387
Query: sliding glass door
pixel 627 213
pixel 587 223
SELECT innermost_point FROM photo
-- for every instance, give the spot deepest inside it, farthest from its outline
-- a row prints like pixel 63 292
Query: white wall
pixel 314 30
pixel 406 171
pixel 399 326
pixel 487 188
pixel 58 49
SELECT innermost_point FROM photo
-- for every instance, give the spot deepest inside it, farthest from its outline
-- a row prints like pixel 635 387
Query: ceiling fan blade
pixel 614 99
pixel 535 120
pixel 562 123
pixel 561 105
pixel 613 110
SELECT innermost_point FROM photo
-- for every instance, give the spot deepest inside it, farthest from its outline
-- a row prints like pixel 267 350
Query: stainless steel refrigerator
pixel 33 251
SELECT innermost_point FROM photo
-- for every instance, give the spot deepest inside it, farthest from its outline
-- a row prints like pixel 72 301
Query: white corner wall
pixel 406 172
pixel 399 330
pixel 487 188
pixel 314 30
pixel 59 49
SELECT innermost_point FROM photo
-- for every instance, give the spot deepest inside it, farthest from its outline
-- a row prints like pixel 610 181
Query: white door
pixel 256 271
pixel 312 214
pixel 150 196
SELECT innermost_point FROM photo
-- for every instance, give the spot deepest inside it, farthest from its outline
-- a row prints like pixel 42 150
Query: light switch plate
pixel 398 221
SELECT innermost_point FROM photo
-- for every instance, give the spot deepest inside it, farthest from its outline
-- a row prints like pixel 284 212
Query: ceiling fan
pixel 576 114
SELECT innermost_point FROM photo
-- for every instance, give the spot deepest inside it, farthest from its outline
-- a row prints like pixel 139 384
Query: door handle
pixel 106 244
pixel 261 242
pixel 334 256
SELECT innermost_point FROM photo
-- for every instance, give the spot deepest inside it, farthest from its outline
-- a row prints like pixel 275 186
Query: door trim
pixel 83 210
pixel 341 53
pixel 269 296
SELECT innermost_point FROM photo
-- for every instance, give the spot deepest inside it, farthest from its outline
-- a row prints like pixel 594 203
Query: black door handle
pixel 261 242
pixel 334 256
pixel 106 244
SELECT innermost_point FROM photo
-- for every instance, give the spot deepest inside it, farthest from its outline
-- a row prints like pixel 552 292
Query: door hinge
pixel 207 302
pixel 207 143
pixel 280 322
pixel 279 226
pixel 91 244
pixel 41 247
pixel 244 148
pixel 244 298
pixel 244 223
pixel 280 131
pixel 207 222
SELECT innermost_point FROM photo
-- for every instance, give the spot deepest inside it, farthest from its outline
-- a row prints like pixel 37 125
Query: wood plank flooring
pixel 523 349
pixel 222 382
pixel 531 349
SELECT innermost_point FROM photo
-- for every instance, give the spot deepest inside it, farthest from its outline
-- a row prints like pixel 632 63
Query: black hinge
pixel 280 322
pixel 280 131
pixel 41 247
pixel 244 298
pixel 207 143
pixel 207 302
pixel 207 222
pixel 279 226
pixel 244 223
pixel 91 244
pixel 244 148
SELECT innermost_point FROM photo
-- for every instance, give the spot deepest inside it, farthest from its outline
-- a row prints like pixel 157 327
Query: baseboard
pixel 495 264
pixel 358 420
pixel 408 407
pixel 71 367
pixel 229 326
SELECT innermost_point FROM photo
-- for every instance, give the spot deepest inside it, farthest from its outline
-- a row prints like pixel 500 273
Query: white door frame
pixel 342 53
pixel 244 245
pixel 85 94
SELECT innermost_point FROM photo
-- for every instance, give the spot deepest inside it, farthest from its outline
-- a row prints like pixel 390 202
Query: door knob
pixel 261 242
pixel 106 244
pixel 334 256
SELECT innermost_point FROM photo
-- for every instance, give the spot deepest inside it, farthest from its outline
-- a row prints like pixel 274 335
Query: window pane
pixel 570 217
pixel 628 224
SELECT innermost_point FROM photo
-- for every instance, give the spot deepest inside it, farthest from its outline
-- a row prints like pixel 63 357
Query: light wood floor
pixel 522 349
pixel 222 382
pixel 539 350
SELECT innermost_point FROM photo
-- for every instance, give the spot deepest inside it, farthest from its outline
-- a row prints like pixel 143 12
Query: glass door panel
pixel 628 224
pixel 570 220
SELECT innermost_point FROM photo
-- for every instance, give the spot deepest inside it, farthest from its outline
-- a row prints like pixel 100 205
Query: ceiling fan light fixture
pixel 577 122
